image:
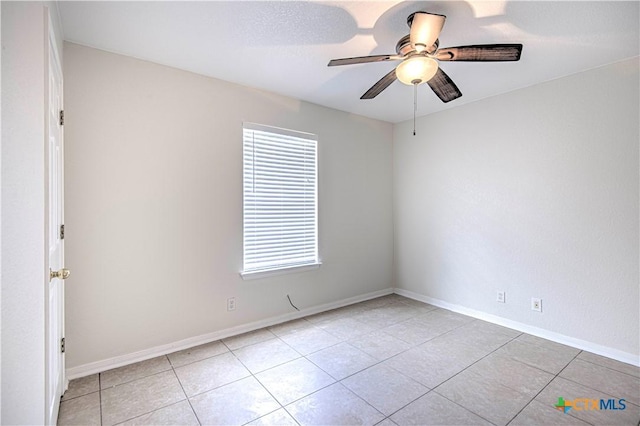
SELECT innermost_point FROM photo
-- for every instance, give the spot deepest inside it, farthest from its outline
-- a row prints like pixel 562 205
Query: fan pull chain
pixel 415 106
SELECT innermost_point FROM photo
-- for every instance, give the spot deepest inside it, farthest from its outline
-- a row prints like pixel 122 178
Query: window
pixel 280 206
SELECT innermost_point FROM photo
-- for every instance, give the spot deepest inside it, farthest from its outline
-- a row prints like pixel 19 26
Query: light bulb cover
pixel 416 70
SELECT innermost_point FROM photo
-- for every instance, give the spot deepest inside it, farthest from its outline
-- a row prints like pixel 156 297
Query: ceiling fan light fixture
pixel 416 70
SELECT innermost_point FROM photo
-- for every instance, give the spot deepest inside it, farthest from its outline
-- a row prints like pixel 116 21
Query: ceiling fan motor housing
pixel 404 47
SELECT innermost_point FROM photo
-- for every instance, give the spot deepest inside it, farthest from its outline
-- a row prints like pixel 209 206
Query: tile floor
pixel 387 361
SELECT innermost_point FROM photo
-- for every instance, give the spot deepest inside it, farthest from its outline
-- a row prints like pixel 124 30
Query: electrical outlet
pixel 231 304
pixel 501 297
pixel 536 304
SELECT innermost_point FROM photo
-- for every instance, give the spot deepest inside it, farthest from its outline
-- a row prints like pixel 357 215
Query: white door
pixel 55 290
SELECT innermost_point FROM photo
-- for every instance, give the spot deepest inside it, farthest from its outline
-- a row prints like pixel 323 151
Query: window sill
pixel 254 275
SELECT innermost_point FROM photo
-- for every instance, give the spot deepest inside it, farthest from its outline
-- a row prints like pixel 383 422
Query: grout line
pixel 157 408
pixel 466 368
pixel 77 396
pixel 100 395
pixel 185 392
pixel 410 402
pixel 612 369
pixel 463 407
pixel 291 415
pixel 252 375
pixel 138 378
pixel 544 387
pixel 480 359
pixel 271 395
pixel 146 376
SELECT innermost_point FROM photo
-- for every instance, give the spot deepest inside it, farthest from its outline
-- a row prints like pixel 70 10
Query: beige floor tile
pixel 83 410
pixel 386 315
pixel 412 331
pixel 513 374
pixel 444 320
pixel 380 345
pixel 334 405
pixel 610 363
pixel 309 340
pixel 402 311
pixel 279 417
pixel 570 390
pixel 537 413
pixel 377 302
pixel 197 353
pixel 234 404
pixel 132 399
pixel 342 360
pixel 294 380
pixel 433 409
pixel 604 379
pixel 435 361
pixel 488 341
pixel 375 317
pixel 384 388
pixel 134 371
pixel 393 297
pixel 326 316
pixel 484 397
pixel 210 373
pixel 291 326
pixel 346 328
pixel 176 414
pixel 487 327
pixel 265 355
pixel 417 304
pixel 246 339
pixel 349 310
pixel 539 341
pixel 81 386
pixel 544 357
pixel 387 422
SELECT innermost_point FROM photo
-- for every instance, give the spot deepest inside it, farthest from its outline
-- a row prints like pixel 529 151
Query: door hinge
pixel 62 117
pixel 62 345
pixel 62 232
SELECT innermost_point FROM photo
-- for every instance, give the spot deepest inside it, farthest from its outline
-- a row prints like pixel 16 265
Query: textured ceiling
pixel 284 47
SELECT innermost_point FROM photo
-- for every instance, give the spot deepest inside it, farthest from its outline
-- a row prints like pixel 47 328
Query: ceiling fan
pixel 420 54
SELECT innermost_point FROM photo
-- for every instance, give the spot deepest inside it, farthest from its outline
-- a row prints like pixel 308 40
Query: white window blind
pixel 280 198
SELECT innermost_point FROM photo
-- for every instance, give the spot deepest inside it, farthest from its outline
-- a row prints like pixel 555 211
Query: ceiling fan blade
pixel 444 87
pixel 425 29
pixel 382 84
pixel 363 60
pixel 481 53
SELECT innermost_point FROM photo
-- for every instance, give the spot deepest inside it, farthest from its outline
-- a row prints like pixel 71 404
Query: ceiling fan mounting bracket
pixel 410 17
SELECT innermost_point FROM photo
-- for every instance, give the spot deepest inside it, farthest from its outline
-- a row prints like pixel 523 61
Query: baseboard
pixel 119 361
pixel 606 351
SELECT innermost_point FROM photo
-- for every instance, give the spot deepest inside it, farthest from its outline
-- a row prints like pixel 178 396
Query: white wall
pixel 154 205
pixel 24 43
pixel 535 193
